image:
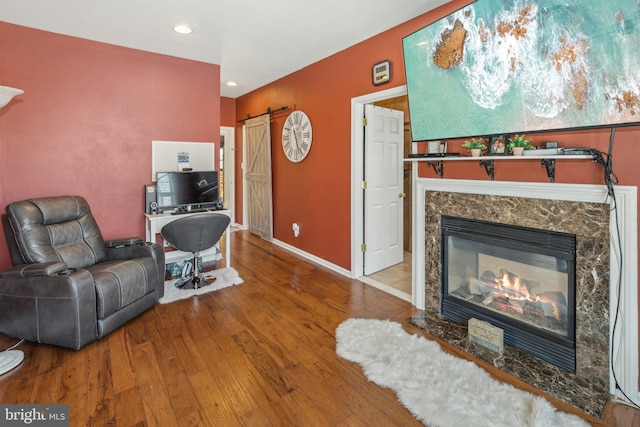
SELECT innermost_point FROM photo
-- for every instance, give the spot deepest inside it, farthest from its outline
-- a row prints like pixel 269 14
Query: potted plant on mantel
pixel 476 145
pixel 518 143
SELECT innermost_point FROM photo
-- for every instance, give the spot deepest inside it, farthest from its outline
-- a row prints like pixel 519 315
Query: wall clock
pixel 297 136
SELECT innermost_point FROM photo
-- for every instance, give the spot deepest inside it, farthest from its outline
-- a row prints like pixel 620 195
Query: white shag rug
pixel 439 389
pixel 225 277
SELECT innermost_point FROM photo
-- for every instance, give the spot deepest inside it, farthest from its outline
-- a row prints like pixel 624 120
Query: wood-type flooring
pixel 258 354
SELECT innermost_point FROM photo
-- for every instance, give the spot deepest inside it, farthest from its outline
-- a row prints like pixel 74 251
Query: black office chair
pixel 194 234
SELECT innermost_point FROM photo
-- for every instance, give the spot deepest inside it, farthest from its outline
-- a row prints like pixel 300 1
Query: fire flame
pixel 512 286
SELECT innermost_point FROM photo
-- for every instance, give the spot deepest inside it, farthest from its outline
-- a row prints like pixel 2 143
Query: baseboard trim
pixel 310 257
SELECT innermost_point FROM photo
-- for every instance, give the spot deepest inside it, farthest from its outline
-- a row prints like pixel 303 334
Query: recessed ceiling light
pixel 182 29
pixel 232 84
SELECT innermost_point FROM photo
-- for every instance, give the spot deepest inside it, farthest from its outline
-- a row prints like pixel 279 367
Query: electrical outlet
pixel 296 229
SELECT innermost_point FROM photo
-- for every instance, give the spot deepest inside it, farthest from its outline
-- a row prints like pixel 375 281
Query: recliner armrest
pixel 40 269
pixel 122 252
pixel 58 307
pixel 123 242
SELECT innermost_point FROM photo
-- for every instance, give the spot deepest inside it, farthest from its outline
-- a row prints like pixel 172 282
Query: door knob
pixel 402 195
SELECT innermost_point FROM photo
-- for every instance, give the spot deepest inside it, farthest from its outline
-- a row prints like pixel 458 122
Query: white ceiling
pixel 254 42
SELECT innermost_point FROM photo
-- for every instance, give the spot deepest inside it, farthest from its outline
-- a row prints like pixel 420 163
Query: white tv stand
pixel 154 224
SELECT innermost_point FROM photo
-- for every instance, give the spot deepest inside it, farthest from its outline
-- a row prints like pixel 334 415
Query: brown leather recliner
pixel 69 287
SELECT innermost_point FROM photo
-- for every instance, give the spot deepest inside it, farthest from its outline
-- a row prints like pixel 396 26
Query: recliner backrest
pixel 52 229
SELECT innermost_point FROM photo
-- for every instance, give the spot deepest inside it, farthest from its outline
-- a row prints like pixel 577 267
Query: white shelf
pixel 488 162
pixel 468 158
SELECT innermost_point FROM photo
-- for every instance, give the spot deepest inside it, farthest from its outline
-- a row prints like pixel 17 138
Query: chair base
pixel 195 281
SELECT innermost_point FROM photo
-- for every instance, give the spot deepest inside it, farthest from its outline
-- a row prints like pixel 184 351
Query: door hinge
pixel 363 184
pixel 363 247
pixel 364 121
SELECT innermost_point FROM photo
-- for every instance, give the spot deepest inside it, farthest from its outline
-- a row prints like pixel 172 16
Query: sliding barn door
pixel 258 176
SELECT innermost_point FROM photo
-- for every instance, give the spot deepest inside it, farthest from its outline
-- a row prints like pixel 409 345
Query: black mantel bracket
pixel 550 166
pixel 489 167
pixel 438 167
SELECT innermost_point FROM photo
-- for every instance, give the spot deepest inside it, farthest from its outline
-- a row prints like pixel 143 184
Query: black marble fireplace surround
pixel 587 388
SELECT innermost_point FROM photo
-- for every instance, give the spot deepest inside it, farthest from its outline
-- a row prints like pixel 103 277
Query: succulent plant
pixel 520 141
pixel 475 143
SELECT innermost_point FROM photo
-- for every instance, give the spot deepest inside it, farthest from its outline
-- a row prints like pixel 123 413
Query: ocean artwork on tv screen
pixel 501 67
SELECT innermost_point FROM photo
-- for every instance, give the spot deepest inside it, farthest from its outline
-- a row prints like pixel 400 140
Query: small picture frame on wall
pixel 498 145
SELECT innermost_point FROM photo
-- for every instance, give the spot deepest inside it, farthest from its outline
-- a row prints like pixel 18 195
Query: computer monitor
pixel 187 190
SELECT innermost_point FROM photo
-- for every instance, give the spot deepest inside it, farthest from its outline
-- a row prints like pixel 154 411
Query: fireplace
pixel 519 279
pixel 601 284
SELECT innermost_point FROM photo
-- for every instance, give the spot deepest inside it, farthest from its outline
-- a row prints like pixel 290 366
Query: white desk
pixel 154 224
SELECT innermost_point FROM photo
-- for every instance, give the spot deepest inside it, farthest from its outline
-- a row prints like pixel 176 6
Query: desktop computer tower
pixel 150 199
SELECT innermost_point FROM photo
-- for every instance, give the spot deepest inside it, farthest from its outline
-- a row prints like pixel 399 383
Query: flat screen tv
pixel 179 190
pixel 500 67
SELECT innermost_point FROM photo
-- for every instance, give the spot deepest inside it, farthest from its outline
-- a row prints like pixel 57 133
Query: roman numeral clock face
pixel 296 136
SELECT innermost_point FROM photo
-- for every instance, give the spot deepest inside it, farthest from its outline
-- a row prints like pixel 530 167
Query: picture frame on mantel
pixel 498 145
pixel 434 147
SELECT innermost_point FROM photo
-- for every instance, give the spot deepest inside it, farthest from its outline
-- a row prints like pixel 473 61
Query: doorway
pixel 398 279
pixel 227 169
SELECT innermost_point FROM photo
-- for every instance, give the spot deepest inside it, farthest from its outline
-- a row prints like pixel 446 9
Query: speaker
pixel 150 200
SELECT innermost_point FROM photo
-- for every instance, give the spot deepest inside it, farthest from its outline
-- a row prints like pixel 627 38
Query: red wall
pixel 227 112
pixel 316 193
pixel 87 118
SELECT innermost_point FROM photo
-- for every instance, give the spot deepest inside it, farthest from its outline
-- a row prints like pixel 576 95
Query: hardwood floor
pixel 261 354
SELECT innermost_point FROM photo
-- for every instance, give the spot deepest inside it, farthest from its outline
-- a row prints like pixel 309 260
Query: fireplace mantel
pixel 625 342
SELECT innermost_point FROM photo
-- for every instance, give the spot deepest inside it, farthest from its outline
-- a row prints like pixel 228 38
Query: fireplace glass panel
pixel 527 287
pixel 519 279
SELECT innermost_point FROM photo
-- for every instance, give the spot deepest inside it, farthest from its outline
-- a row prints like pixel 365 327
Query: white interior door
pixel 383 196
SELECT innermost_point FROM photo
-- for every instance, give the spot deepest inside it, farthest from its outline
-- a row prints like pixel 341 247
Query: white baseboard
pixel 310 257
pixel 374 283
